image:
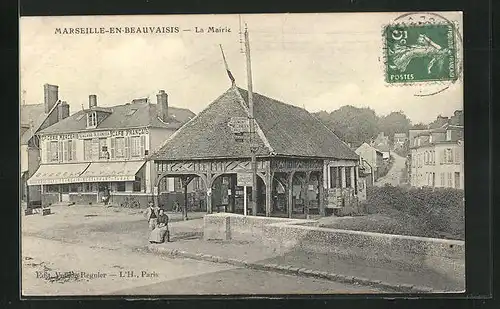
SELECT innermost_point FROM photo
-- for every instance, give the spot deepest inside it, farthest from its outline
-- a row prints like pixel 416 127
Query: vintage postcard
pixel 263 154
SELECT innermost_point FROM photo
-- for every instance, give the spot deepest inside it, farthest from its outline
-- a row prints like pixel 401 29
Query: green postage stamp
pixel 420 53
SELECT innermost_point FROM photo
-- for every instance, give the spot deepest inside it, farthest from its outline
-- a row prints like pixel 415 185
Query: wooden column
pixel 232 198
pixel 209 193
pixel 306 195
pixel 269 192
pixel 321 194
pixel 290 194
pixel 185 180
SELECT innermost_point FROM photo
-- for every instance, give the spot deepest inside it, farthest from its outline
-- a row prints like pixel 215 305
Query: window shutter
pixel 442 156
pixel 127 147
pixel 457 156
pixel 143 144
pixel 73 150
pixel 47 152
pixel 60 151
pixel 112 147
pixel 451 156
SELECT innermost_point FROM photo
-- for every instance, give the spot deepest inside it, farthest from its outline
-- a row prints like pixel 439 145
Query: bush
pixel 426 212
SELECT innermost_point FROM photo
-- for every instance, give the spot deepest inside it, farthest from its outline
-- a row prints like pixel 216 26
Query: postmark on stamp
pixel 421 48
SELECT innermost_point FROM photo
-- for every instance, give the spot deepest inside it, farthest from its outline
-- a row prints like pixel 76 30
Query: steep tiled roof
pixel 282 129
pixel 121 117
pixel 34 116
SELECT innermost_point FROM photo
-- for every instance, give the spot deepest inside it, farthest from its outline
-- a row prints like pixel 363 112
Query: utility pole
pixel 252 124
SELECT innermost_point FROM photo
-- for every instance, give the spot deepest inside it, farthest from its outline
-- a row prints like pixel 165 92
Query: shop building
pixel 302 167
pixel 34 118
pixel 103 151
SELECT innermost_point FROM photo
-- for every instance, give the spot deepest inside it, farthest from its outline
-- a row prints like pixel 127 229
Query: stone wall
pixel 446 257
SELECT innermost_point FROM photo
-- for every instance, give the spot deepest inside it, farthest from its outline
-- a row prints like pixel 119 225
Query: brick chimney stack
pixel 162 105
pixel 51 96
pixel 63 110
pixel 92 100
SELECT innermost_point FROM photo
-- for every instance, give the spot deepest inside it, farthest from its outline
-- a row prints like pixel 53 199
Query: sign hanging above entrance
pixel 244 179
pixel 239 124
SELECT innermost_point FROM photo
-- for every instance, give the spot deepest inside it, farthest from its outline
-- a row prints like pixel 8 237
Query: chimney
pixel 162 105
pixel 51 95
pixel 92 100
pixel 63 110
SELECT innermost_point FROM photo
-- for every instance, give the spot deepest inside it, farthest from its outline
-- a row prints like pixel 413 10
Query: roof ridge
pixel 258 130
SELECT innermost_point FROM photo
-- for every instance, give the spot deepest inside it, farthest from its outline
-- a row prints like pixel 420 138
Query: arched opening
pixel 227 196
pixel 295 195
pixel 173 196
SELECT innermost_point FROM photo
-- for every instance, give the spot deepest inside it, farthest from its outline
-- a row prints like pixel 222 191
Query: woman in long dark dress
pixel 160 232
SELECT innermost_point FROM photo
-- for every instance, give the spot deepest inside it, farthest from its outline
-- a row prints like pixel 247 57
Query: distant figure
pixel 152 215
pixel 161 231
pixel 177 207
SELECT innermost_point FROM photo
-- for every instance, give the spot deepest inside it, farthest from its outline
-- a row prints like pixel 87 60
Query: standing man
pixel 152 215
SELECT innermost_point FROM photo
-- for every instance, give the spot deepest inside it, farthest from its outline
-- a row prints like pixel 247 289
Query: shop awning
pixel 57 173
pixel 111 171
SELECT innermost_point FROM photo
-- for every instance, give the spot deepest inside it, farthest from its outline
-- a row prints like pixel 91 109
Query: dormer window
pixel 92 120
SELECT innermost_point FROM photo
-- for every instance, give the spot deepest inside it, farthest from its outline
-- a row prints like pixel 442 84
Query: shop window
pixel 74 187
pixel 120 186
pixel 442 180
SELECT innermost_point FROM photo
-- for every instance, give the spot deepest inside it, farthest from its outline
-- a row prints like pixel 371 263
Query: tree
pixel 352 124
pixel 395 122
pixel 419 126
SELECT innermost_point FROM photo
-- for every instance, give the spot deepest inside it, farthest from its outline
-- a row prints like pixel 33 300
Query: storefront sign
pixel 155 190
pixel 96 134
pixel 244 179
pixel 239 124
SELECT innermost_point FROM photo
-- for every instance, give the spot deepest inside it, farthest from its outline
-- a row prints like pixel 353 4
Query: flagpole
pixel 252 123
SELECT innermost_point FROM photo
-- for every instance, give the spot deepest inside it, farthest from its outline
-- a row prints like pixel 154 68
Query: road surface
pixel 104 254
pixel 394 175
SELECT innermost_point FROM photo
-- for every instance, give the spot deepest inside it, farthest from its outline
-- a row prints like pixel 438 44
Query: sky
pixel 315 61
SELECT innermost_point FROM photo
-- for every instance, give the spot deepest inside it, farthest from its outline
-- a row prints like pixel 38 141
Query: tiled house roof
pixel 282 130
pixel 144 116
pixel 33 115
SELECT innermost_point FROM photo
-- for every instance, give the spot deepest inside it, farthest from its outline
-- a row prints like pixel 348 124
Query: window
pixel 335 177
pixel 448 135
pixel 450 180
pixel 348 183
pixel 448 155
pixel 87 149
pixel 457 180
pixel 433 179
pixel 69 151
pixel 91 120
pixel 442 180
pixel 103 148
pixel 457 155
pixel 120 186
pixel 54 151
pixel 137 145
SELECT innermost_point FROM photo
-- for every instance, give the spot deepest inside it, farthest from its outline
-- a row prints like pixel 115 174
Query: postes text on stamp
pixel 420 53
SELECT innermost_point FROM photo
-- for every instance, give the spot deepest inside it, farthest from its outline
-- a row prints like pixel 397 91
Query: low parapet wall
pixel 443 256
